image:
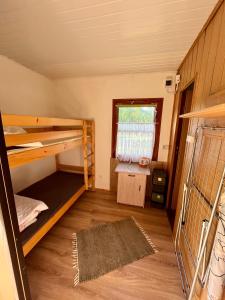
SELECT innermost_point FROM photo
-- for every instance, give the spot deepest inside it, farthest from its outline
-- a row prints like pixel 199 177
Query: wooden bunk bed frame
pixel 66 134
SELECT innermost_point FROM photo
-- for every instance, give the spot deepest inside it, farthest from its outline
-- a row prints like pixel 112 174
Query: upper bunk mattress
pixel 55 190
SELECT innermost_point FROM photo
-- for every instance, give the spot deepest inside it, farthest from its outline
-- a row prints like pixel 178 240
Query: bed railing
pixel 57 135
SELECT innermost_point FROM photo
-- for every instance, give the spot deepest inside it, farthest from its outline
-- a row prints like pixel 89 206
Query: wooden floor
pixel 155 277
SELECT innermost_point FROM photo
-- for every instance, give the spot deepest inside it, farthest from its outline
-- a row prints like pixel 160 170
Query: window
pixel 136 128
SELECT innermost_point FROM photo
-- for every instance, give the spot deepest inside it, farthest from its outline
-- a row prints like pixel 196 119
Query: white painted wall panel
pixel 23 91
pixel 91 97
pixel 66 38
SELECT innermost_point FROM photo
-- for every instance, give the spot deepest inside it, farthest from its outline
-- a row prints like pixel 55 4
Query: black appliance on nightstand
pixel 159 186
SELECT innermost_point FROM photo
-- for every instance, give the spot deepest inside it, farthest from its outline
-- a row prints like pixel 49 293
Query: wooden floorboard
pixel 155 277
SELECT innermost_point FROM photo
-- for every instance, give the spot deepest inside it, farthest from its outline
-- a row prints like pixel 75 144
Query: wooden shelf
pixel 216 111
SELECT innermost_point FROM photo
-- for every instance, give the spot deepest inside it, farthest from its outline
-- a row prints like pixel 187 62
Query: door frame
pixel 174 138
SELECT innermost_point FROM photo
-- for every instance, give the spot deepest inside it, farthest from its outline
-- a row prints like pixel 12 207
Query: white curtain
pixel 135 140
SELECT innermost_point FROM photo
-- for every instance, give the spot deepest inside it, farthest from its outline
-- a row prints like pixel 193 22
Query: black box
pixel 158 198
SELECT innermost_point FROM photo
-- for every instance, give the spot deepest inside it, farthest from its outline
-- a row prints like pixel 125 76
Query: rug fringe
pixel 146 236
pixel 75 259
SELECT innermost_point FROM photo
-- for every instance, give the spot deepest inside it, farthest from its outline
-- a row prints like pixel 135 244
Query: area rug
pixel 108 246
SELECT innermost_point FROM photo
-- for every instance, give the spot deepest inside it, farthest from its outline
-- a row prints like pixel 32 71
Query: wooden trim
pixel 93 155
pixel 70 168
pixel 142 101
pixel 173 135
pixel 216 111
pixel 89 155
pixel 24 120
pixel 85 153
pixel 17 139
pixel 29 245
pixel 189 83
pixel 211 16
pixel 20 158
pixel 43 129
pixel 7 203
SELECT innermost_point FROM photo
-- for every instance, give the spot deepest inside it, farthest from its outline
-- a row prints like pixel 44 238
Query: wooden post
pixel 93 154
pixel 85 154
pixel 57 163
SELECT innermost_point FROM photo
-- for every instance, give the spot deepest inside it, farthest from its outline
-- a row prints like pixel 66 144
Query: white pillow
pixel 27 210
pixel 19 130
pixel 32 145
pixel 13 130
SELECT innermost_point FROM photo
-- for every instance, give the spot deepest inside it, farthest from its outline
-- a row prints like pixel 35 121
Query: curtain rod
pixel 136 105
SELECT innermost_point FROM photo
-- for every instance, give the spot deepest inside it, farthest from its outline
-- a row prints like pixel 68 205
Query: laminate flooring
pixel 155 277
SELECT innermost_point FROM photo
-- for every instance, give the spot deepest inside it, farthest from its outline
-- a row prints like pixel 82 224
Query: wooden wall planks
pixel 218 68
pixel 205 65
pixel 206 60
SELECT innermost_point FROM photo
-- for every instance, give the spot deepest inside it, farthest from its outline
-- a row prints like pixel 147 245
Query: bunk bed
pixel 43 137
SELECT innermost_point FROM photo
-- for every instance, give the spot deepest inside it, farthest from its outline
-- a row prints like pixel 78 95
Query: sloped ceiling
pixel 63 38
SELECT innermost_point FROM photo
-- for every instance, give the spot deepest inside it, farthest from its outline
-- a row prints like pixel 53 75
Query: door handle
pixel 139 188
pixel 131 175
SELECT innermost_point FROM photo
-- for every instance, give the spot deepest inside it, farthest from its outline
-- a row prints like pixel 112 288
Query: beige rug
pixel 106 247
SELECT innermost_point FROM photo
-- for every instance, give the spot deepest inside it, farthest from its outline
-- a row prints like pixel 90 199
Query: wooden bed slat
pixel 24 120
pixel 89 154
pixel 17 139
pixel 26 156
pixel 75 169
pixel 85 152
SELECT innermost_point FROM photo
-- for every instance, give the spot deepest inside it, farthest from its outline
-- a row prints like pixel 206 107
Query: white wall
pixel 91 97
pixel 23 91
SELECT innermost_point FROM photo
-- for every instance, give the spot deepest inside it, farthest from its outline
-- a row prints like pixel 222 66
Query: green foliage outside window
pixel 139 114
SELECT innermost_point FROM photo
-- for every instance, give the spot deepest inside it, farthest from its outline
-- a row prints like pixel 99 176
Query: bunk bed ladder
pixel 89 153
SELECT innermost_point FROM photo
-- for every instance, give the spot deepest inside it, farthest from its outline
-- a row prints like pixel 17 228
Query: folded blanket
pixel 27 210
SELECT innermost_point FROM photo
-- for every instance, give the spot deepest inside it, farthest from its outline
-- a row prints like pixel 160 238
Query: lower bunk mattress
pixel 55 190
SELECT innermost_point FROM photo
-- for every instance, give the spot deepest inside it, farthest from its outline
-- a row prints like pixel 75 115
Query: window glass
pixel 136 132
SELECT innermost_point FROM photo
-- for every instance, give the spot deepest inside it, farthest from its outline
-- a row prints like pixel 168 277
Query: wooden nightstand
pixel 131 184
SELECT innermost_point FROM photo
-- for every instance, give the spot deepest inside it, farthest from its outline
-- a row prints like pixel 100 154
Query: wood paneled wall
pixel 205 65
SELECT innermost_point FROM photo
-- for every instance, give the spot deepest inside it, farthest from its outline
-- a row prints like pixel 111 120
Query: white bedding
pixel 27 210
pixel 13 130
pixel 19 130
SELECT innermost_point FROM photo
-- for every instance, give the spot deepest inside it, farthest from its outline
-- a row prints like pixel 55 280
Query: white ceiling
pixel 62 38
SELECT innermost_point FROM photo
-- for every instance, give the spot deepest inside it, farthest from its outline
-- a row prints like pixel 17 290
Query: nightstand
pixel 131 184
